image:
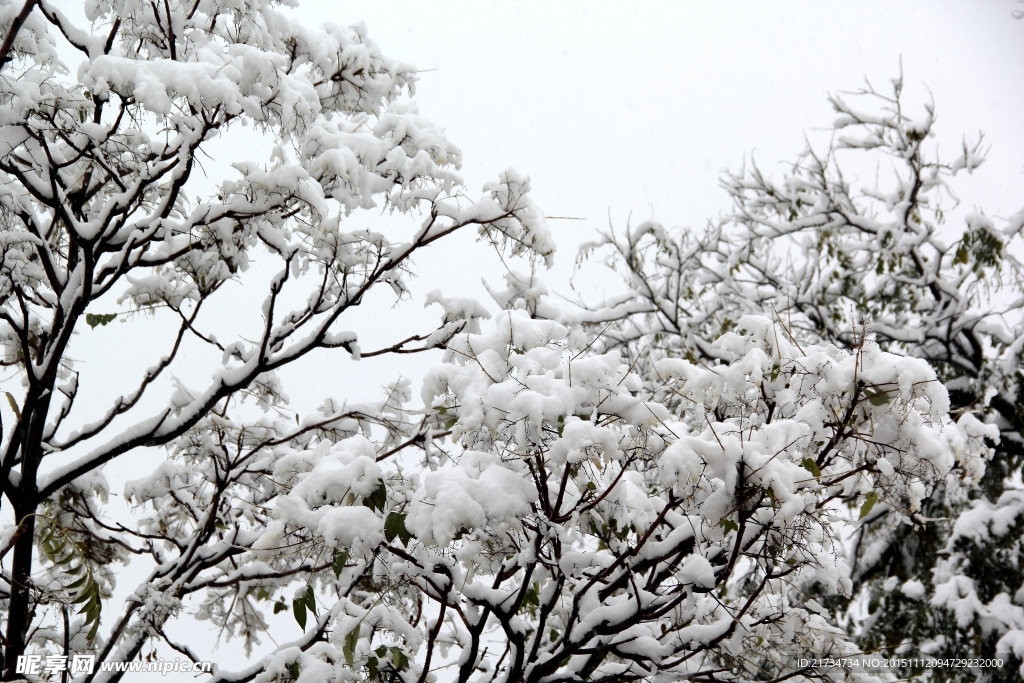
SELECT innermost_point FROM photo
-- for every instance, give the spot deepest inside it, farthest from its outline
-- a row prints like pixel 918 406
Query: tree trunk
pixel 20 609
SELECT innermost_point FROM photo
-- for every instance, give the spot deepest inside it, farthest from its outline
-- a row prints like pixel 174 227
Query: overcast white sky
pixel 626 107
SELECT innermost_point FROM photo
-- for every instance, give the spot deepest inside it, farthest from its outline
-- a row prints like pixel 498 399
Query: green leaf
pixel 94 319
pixel 378 499
pixel 310 598
pixel 89 602
pixel 262 594
pixel 47 550
pixel 811 466
pixel 961 254
pixel 78 582
pixel 91 610
pixel 299 610
pixel 399 659
pixel 279 607
pixel 371 666
pixel 450 422
pixel 82 597
pixel 869 502
pixel 878 398
pixel 338 563
pixel 293 670
pixel 349 650
pixel 14 405
pixel 728 525
pixel 532 596
pixel 394 526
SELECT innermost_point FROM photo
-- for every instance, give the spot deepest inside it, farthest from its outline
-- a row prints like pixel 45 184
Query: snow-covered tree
pixel 102 214
pixel 576 528
pixel 835 261
pixel 655 491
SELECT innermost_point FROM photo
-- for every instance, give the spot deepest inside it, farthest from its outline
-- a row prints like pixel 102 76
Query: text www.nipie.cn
pixel 35 665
